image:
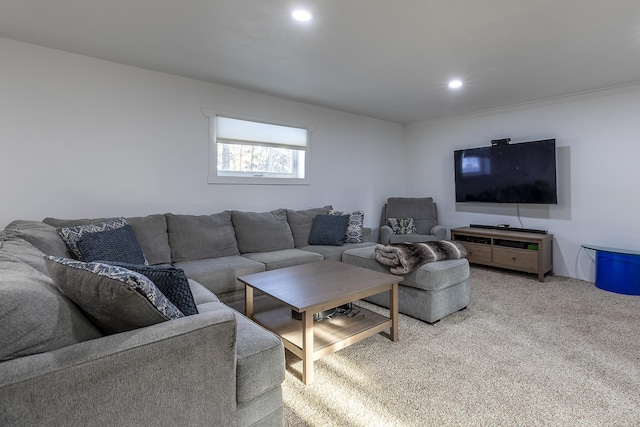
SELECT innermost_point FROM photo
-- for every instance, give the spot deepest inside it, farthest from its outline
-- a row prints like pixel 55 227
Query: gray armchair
pixel 425 217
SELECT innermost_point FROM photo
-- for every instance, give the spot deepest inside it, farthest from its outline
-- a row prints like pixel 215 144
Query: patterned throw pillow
pixel 108 241
pixel 356 222
pixel 113 298
pixel 171 281
pixel 329 230
pixel 402 225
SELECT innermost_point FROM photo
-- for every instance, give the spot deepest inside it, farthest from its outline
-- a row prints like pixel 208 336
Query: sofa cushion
pixel 259 356
pixel 118 245
pixel 17 250
pixel 171 281
pixel 301 221
pixel 356 224
pixel 201 295
pixel 43 236
pixel 194 237
pixel 262 232
pixel 151 232
pixel 113 298
pixel 283 258
pixel 219 275
pixel 329 230
pixel 35 317
pixel 334 252
pixel 62 222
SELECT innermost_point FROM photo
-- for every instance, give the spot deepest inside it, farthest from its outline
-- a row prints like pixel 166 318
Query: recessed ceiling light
pixel 302 15
pixel 455 84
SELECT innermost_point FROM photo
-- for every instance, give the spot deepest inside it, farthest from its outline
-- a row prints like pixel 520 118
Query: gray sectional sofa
pixel 212 368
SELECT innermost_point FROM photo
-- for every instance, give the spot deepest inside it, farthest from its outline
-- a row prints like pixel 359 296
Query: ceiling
pixel 385 59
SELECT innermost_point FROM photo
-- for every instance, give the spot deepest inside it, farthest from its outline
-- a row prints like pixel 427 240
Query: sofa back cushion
pixel 301 222
pixel 262 232
pixel 35 317
pixel 194 237
pixel 43 236
pixel 150 230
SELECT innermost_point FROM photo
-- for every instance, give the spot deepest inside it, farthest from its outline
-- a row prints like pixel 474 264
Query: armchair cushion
pixel 422 210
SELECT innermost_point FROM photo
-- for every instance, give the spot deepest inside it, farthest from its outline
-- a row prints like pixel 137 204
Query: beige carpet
pixel 524 353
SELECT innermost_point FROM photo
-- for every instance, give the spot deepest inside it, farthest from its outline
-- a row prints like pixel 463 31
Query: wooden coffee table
pixel 315 287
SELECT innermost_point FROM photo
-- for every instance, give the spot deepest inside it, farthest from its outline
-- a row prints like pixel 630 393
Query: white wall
pixel 598 160
pixel 82 137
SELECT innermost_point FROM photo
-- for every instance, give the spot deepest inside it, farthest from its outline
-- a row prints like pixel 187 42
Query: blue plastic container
pixel 618 272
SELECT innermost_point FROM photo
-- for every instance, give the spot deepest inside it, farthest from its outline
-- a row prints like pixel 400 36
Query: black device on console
pixel 501 227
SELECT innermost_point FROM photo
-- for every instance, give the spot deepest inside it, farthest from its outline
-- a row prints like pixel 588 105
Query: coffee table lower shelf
pixel 329 335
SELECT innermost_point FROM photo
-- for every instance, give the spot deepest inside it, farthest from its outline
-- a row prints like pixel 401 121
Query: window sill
pixel 239 180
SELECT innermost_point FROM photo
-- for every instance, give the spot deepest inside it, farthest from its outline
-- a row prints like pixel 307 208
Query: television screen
pixel 512 173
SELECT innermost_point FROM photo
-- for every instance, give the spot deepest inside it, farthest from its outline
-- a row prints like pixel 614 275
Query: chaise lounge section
pixel 429 293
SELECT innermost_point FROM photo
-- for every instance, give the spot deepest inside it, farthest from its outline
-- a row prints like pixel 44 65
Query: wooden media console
pixel 514 250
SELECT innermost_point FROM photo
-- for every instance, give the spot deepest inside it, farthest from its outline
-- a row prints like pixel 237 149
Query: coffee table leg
pixel 393 311
pixel 307 347
pixel 248 301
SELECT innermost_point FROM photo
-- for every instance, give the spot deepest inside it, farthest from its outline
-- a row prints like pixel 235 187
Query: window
pixel 253 152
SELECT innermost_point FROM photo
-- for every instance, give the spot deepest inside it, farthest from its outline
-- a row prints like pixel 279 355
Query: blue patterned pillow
pixel 356 222
pixel 329 230
pixel 113 298
pixel 118 245
pixel 171 281
pixel 102 241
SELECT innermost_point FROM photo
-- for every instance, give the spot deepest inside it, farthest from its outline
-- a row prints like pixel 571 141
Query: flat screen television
pixel 511 173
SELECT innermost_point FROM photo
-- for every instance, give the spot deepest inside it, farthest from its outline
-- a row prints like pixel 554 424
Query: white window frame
pixel 221 177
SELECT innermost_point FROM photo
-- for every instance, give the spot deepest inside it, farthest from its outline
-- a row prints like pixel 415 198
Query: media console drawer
pixel 523 259
pixel 515 250
pixel 477 252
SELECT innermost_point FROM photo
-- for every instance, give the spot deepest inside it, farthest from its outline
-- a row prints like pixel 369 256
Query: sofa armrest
pixel 439 231
pixel 180 372
pixel 385 234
